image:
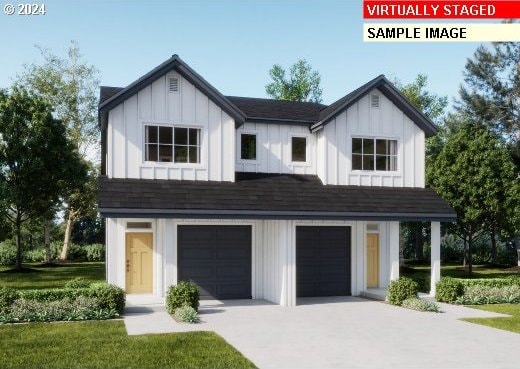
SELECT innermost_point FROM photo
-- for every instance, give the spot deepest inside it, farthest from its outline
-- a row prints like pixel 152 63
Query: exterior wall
pixel 189 107
pixel 334 145
pixel 274 149
pixel 273 254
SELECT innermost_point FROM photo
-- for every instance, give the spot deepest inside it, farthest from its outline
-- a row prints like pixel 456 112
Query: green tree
pixel 434 107
pixel 35 160
pixel 474 173
pixel 303 83
pixel 70 85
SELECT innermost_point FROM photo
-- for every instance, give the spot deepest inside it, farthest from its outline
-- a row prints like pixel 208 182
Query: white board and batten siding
pixel 274 149
pixel 334 145
pixel 156 105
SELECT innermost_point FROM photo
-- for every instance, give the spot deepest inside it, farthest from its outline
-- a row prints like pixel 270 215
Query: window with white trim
pixel 248 146
pixel 374 154
pixel 299 149
pixel 172 144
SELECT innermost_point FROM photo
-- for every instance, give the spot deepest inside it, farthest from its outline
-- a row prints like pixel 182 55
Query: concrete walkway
pixel 345 332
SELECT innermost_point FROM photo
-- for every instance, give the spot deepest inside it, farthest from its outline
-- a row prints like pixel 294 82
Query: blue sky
pixel 232 44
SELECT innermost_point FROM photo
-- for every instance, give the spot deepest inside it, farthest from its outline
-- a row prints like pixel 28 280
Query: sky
pixel 232 44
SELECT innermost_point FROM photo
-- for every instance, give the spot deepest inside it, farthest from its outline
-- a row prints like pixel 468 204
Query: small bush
pixel 420 305
pixel 184 293
pixel 491 282
pixel 402 289
pixel 7 252
pixel 448 290
pixel 78 282
pixel 95 252
pixel 186 314
pixel 422 280
pixel 109 295
pixel 54 294
pixel 8 296
pixel 34 256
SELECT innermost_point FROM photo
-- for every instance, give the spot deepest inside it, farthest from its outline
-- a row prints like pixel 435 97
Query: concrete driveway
pixel 356 333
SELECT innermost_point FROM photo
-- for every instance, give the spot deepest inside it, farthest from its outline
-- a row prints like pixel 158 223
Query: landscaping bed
pixel 79 300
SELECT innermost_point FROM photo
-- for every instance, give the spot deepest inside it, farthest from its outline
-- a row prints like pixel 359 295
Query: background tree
pixel 434 107
pixel 70 85
pixel 34 156
pixel 303 83
pixel 472 173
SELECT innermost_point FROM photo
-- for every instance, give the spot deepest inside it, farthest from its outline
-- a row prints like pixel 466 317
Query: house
pixel 259 198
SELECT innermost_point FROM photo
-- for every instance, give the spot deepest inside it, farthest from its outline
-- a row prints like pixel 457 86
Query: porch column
pixel 394 250
pixel 435 255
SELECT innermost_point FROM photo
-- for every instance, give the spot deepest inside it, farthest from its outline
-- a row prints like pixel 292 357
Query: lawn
pixel 106 345
pixel 41 276
pixel 509 324
pixel 457 271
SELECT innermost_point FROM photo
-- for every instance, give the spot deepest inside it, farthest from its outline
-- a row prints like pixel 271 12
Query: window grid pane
pixel 374 154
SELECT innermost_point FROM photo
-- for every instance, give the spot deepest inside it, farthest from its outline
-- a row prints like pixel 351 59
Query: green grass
pixel 51 277
pixel 106 345
pixel 509 324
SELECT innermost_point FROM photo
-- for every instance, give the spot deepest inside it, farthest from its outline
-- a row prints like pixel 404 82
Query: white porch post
pixel 435 255
pixel 394 250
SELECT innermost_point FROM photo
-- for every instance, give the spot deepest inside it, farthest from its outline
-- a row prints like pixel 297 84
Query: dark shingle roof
pixel 106 92
pixel 267 196
pixel 277 110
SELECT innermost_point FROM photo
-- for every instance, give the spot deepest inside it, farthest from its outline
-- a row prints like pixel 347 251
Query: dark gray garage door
pixel 217 259
pixel 322 261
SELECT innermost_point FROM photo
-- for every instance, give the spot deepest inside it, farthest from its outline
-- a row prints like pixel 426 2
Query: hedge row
pixel 97 301
pixel 478 291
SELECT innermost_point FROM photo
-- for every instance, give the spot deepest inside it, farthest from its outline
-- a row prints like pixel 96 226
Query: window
pixel 248 146
pixel 374 154
pixel 167 144
pixel 299 149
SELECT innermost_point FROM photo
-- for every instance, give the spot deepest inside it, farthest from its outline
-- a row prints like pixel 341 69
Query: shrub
pixel 78 282
pixel 34 256
pixel 491 282
pixel 186 314
pixel 109 296
pixel 54 294
pixel 481 294
pixel 184 293
pixel 8 295
pixel 95 252
pixel 422 280
pixel 420 305
pixel 402 289
pixel 448 290
pixel 7 252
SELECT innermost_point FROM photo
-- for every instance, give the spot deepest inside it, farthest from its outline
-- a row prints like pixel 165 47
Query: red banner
pixel 422 9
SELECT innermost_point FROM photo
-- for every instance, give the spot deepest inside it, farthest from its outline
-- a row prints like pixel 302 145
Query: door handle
pixel 127 265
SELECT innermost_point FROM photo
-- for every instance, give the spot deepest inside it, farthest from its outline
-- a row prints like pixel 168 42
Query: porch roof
pixel 267 196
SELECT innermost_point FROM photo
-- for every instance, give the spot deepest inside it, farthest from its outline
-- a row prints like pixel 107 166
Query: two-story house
pixel 259 198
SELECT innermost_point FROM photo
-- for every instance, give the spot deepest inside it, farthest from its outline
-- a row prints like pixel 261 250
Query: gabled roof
pixel 174 63
pixel 267 196
pixel 387 89
pixel 278 111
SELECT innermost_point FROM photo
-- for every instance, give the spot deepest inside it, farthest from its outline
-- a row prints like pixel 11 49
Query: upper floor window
pixel 299 149
pixel 169 144
pixel 247 146
pixel 374 154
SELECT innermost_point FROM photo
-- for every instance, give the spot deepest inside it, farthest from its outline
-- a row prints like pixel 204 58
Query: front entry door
pixel 372 260
pixel 139 262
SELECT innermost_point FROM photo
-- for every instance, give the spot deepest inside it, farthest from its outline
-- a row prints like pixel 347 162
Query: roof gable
pixel 174 63
pixel 388 90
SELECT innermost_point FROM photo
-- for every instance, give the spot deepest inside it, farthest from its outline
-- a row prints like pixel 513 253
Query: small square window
pixel 299 149
pixel 248 146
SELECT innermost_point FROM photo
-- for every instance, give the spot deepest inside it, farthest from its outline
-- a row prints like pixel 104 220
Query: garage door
pixel 322 261
pixel 217 259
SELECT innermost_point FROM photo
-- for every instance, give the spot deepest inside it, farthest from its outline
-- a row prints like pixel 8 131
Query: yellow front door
pixel 372 260
pixel 139 262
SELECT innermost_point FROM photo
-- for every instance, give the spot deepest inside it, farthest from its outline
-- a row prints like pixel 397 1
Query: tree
pixel 35 155
pixel 434 107
pixel 303 83
pixel 474 173
pixel 70 85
